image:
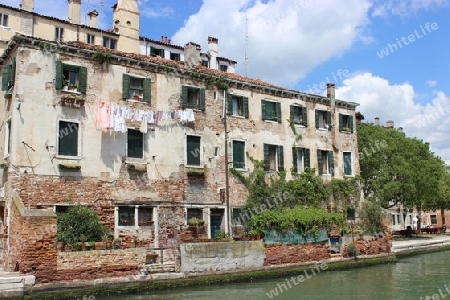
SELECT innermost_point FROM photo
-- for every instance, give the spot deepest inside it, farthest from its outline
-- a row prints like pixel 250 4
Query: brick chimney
pixel 213 45
pixel 390 124
pixel 74 11
pixel 93 19
pixel 27 5
pixel 377 121
pixel 192 54
pixel 331 90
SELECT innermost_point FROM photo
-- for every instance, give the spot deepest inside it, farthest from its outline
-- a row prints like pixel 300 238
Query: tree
pixel 442 202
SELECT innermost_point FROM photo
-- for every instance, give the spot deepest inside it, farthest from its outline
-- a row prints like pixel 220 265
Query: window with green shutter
pixel 323 119
pixel 71 77
pixel 136 88
pixel 157 52
pixel 273 157
pixel 298 115
pixel 347 157
pixel 271 111
pixel 68 138
pixel 7 77
pixel 345 123
pixel 175 56
pixel 325 162
pixel 238 154
pixel 192 97
pixel 237 105
pixel 193 150
pixel 135 144
pixel 301 159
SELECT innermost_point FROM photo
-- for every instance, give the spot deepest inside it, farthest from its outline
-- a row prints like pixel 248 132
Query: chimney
pixel 93 19
pixel 331 90
pixel 169 41
pixel 377 121
pixel 74 11
pixel 390 124
pixel 213 44
pixel 400 129
pixel 192 54
pixel 27 5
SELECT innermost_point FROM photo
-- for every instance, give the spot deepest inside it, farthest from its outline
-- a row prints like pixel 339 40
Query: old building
pixel 141 138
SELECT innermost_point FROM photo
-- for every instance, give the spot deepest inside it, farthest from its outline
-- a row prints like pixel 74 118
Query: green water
pixel 417 277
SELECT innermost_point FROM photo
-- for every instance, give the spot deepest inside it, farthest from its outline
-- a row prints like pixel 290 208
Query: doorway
pixel 216 221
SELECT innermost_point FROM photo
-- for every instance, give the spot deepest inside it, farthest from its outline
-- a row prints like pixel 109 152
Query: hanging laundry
pixel 103 114
pixel 143 127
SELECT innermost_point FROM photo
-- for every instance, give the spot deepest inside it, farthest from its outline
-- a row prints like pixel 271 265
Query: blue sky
pixel 301 43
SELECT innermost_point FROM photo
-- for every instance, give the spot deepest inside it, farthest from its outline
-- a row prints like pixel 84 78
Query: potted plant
pixel 116 243
pixel 60 246
pixel 90 245
pixel 67 248
pixel 83 239
pixel 254 235
pixel 66 84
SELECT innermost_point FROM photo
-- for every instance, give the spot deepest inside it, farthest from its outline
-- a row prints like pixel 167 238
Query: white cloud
pixel 384 8
pixel 286 38
pixel 379 98
pixel 156 12
pixel 431 83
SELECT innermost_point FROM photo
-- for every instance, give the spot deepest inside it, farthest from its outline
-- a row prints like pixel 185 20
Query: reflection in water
pixel 411 278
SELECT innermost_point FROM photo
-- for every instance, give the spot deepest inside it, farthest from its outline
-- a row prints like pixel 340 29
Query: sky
pixel 390 56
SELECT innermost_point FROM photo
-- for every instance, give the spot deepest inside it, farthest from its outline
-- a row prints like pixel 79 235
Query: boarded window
pixel 135 144
pixel 193 150
pixel 238 155
pixel 68 138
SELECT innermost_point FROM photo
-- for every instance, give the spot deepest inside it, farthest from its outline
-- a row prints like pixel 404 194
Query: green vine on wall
pixel 297 135
pixel 101 56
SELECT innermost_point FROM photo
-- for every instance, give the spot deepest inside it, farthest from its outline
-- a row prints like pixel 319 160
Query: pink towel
pixel 103 114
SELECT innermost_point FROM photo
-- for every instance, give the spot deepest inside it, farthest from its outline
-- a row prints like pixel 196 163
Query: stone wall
pixel 307 252
pixel 369 244
pixel 95 264
pixel 221 256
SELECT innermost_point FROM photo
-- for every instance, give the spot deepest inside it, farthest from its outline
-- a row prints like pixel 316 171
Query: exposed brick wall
pixel 370 245
pixel 285 254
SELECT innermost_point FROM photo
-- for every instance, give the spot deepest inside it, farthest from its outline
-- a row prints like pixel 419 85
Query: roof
pixel 160 43
pixel 172 64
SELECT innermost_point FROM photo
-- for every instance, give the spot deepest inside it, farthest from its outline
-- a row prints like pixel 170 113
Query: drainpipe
pixel 227 186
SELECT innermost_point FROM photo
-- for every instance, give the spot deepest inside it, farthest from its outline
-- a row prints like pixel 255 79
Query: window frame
pixel 328 156
pixel 346 123
pixel 236 99
pixel 302 115
pixel 200 152
pixel 303 156
pixel 90 38
pixel 8 75
pixel 240 165
pixel 344 154
pixel 59 33
pixel 109 42
pixel 81 81
pixel 198 213
pixel 278 152
pixel 157 52
pixel 200 101
pixel 127 87
pixel 175 56
pixel 205 63
pixel 223 68
pixel 141 135
pixel 277 109
pixel 435 218
pixel 324 117
pixel 59 138
pixel 4 19
pixel 8 138
pixel 135 219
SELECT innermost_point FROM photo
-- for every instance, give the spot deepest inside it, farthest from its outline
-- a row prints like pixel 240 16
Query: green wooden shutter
pixel 319 161
pixel 126 86
pixel 162 53
pixel 202 99
pixel 266 157
pixel 331 162
pixel 291 113
pixel 294 158
pixel 307 158
pixel 317 119
pixel 341 122
pixel 238 154
pixel 329 120
pixel 347 157
pixel 193 150
pixel 13 70
pixel 184 96
pixel 229 104
pixel 147 90
pixel 59 75
pixel 68 138
pixel 82 80
pixel 278 110
pixel 152 50
pixel 263 110
pixel 280 156
pixel 245 102
pixel 6 75
pixel 350 121
pixel 304 116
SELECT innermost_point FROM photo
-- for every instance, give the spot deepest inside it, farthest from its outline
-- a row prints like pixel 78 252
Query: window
pixel 323 119
pixel 136 88
pixel 271 111
pixel 156 52
pixel 398 220
pixel 347 157
pixel 73 76
pixel 109 42
pixel 273 158
pixel 351 214
pixel 135 144
pixel 299 115
pixel 433 219
pixel 205 63
pixel 193 97
pixel 8 74
pixel 325 162
pixel 301 159
pixel 90 38
pixel 175 56
pixel 393 219
pixel 126 216
pixel 61 209
pixel 224 68
pixel 237 105
pixel 68 138
pixel 345 123
pixel 238 155
pixel 193 150
pixel 8 138
pixel 59 33
pixel 4 20
pixel 194 213
pixel 145 216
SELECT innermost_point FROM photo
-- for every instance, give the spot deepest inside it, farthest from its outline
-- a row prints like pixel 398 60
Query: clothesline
pixel 113 117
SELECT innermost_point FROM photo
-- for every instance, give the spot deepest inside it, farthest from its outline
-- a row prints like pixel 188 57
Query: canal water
pixel 424 277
